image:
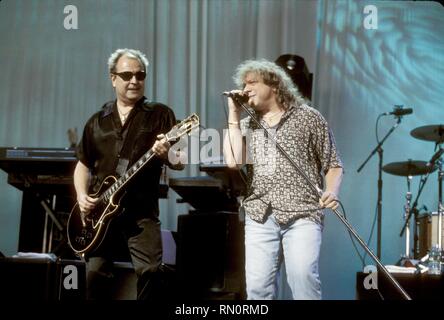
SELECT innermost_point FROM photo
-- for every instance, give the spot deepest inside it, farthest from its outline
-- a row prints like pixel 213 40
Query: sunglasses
pixel 127 75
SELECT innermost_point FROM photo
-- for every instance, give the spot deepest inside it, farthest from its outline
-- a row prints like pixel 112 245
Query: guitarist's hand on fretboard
pixel 161 146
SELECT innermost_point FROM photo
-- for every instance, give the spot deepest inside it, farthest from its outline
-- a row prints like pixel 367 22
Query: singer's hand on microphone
pixel 233 104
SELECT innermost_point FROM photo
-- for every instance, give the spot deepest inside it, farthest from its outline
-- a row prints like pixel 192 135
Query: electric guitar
pixel 87 231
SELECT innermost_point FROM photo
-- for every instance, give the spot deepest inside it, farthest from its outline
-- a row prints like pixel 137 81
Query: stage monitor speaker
pixel 26 279
pixel 418 286
pixel 210 255
pixel 70 282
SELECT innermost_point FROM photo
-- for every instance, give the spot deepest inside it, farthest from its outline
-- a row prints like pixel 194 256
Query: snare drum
pixel 428 232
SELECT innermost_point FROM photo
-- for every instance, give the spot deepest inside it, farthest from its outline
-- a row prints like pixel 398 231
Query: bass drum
pixel 428 232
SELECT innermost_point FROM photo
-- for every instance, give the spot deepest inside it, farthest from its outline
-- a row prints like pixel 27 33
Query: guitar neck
pixel 172 136
pixel 123 180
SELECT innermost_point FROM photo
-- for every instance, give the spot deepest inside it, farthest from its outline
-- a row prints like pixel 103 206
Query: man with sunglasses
pixel 113 139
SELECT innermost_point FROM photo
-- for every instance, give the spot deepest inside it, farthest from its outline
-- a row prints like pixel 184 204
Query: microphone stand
pixel 318 191
pixel 380 151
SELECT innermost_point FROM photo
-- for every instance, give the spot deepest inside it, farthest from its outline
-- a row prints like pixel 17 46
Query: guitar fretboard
pixel 174 134
pixel 120 183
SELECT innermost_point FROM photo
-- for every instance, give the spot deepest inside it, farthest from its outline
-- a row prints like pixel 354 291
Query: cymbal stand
pixel 414 209
pixel 407 208
pixel 440 203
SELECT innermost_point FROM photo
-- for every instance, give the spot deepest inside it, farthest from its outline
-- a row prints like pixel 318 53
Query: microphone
pixel 399 111
pixel 435 157
pixel 238 96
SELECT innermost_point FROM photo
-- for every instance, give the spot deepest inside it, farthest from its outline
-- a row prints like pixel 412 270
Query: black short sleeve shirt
pixel 107 145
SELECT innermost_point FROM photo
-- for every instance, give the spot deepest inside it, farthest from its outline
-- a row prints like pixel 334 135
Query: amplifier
pixel 27 279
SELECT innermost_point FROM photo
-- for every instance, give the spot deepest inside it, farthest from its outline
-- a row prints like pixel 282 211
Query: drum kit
pixel 428 228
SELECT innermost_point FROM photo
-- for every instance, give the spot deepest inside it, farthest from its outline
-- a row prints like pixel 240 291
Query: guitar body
pixel 86 232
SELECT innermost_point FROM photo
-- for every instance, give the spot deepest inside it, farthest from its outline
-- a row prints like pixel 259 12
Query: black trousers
pixel 143 239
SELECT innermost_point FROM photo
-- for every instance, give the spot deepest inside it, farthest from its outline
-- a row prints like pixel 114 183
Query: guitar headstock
pixel 183 128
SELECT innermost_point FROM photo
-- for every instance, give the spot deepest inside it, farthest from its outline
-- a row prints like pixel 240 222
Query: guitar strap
pixel 127 146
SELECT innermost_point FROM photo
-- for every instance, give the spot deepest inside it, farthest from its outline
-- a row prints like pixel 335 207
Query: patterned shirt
pixel 273 184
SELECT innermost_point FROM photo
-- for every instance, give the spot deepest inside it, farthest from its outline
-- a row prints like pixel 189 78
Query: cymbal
pixel 429 133
pixel 408 168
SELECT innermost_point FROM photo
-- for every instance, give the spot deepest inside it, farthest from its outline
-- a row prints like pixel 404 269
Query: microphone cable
pixel 356 248
pixel 228 137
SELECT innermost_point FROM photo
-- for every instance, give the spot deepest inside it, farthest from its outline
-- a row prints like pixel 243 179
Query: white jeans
pixel 300 243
